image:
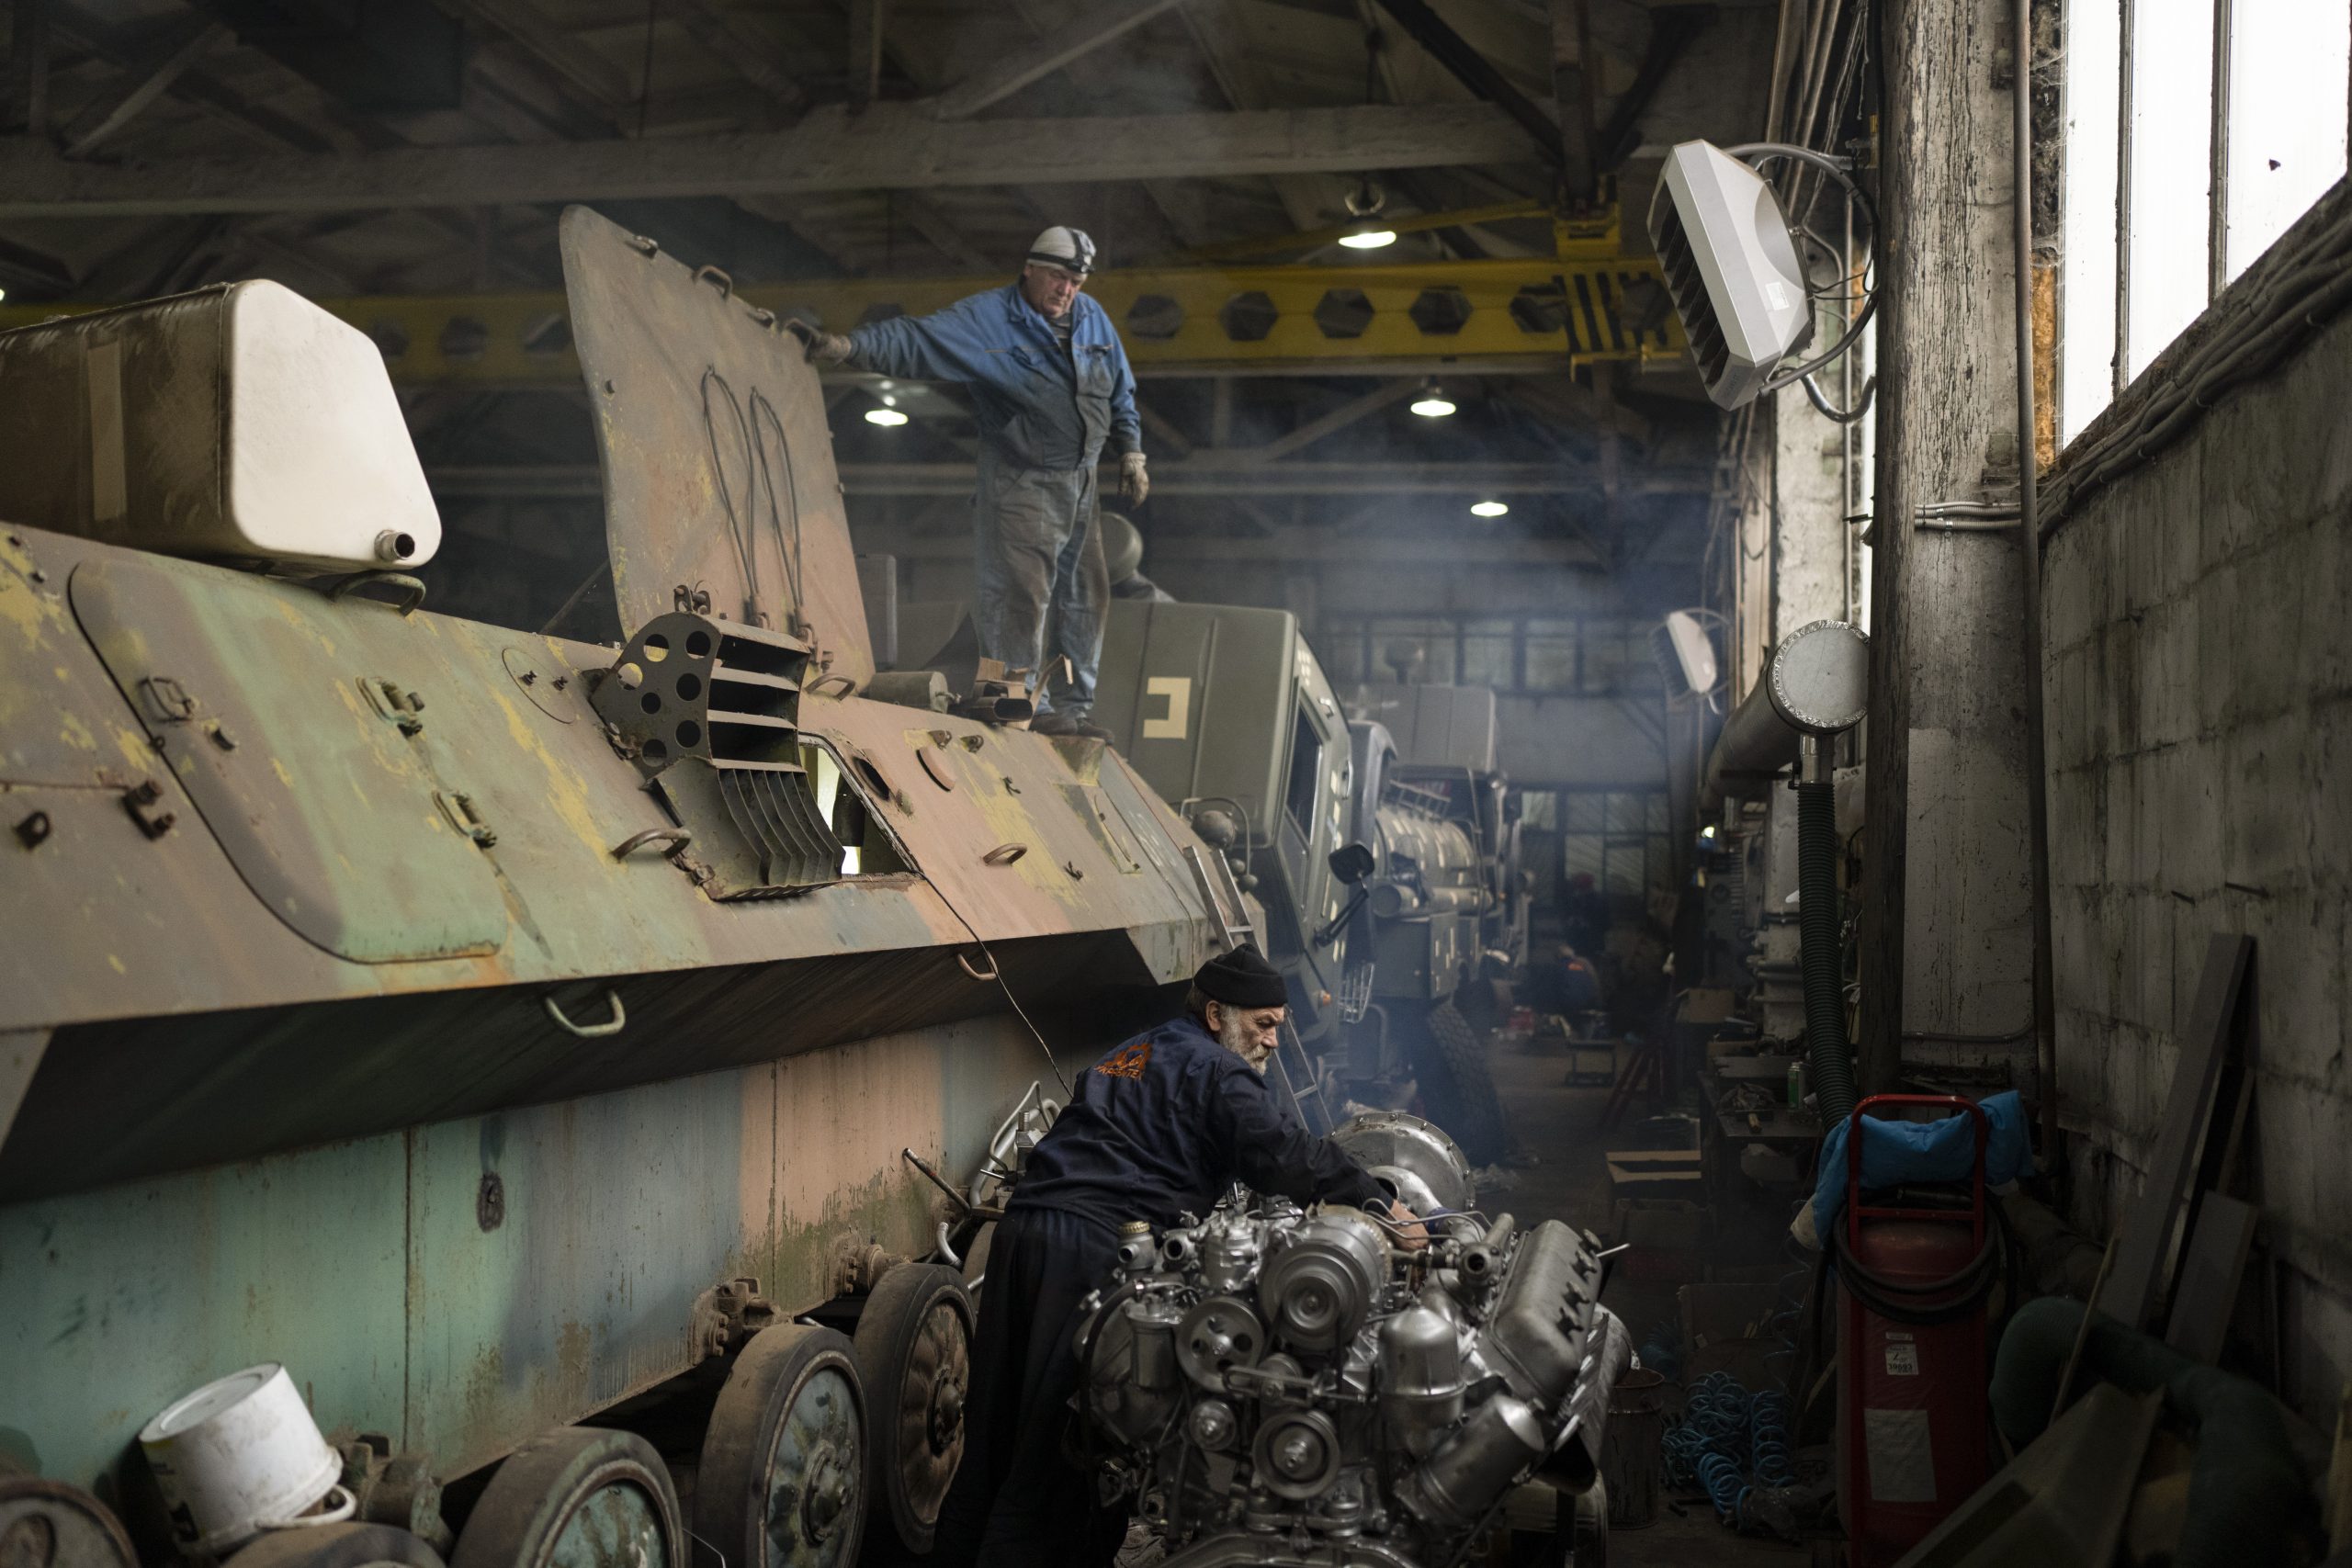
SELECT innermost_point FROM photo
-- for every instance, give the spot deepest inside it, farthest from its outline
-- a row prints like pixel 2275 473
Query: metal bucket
pixel 238 1456
pixel 1633 1449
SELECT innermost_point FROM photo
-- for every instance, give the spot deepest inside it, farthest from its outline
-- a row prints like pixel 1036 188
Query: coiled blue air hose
pixel 1728 1443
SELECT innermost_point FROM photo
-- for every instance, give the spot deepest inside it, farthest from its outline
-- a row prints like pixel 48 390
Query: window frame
pixel 2121 374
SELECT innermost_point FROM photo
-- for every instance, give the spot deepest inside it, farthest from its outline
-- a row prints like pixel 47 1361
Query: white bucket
pixel 238 1456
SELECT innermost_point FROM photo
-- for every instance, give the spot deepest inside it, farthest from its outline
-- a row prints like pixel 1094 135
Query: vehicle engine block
pixel 1282 1386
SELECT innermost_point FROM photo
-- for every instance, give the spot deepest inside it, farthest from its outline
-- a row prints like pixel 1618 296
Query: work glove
pixel 1133 483
pixel 823 348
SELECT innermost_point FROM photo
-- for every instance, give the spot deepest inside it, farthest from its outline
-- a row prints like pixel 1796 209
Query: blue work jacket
pixel 1037 407
pixel 1166 1121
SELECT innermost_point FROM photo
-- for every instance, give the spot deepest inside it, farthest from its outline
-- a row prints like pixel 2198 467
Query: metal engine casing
pixel 1273 1385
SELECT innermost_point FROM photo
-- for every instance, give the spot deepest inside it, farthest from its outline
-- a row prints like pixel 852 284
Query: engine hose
pixel 1830 1059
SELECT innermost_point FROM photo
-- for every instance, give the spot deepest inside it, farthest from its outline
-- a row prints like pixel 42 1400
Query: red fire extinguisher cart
pixel 1911 1356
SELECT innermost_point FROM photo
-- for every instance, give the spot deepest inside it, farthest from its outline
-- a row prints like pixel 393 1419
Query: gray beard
pixel 1235 1035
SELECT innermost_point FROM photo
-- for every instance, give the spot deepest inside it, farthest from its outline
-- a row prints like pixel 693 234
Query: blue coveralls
pixel 1156 1129
pixel 1044 417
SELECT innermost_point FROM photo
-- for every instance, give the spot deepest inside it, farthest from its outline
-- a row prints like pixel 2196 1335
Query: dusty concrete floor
pixel 1570 1181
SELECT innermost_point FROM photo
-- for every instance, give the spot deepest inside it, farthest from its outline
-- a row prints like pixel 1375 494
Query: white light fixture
pixel 889 418
pixel 1369 238
pixel 1433 403
pixel 1488 509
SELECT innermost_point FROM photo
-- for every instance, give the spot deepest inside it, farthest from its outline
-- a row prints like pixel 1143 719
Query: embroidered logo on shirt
pixel 1127 1063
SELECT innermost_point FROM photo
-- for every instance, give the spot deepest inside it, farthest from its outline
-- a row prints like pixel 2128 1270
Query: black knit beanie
pixel 1242 979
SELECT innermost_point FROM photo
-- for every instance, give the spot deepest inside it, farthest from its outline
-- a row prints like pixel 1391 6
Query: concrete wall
pixel 2198 622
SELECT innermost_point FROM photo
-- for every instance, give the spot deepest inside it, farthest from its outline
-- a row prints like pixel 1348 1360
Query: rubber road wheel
pixel 1580 1528
pixel 914 1354
pixel 337 1546
pixel 1455 1085
pixel 782 1483
pixel 47 1524
pixel 576 1497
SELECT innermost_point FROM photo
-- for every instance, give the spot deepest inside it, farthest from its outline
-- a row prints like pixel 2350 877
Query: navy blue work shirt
pixel 1165 1122
pixel 1038 405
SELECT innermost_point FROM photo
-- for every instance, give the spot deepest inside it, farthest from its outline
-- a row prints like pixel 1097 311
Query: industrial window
pixel 2197 131
pixel 1620 839
pixel 1592 656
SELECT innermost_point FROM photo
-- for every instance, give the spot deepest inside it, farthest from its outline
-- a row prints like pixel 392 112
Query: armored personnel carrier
pixel 518 1040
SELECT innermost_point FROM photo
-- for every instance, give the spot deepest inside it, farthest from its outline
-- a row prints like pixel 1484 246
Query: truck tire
pixel 1457 1087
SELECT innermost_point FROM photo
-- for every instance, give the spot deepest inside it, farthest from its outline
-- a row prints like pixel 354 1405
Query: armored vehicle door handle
pixel 975 974
pixel 411 588
pixel 1005 854
pixel 674 840
pixel 611 1026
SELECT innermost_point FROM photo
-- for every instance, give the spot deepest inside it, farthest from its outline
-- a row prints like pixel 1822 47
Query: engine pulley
pixel 1216 1336
pixel 1297 1454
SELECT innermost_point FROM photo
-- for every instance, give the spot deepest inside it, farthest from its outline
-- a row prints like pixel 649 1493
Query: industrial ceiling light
pixel 889 415
pixel 1364 203
pixel 1488 509
pixel 1433 403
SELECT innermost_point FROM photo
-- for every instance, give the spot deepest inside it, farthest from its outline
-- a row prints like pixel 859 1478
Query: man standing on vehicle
pixel 1049 384
pixel 1158 1128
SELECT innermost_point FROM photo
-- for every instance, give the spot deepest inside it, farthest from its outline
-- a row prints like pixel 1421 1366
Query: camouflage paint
pixel 365 1266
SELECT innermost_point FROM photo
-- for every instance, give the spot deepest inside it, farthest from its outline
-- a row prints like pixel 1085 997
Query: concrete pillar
pixel 1947 931
pixel 1809 514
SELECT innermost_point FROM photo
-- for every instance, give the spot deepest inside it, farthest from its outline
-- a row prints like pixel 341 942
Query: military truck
pixel 526 1042
pixel 1224 712
pixel 1446 739
pixel 1377 895
pixel 1419 915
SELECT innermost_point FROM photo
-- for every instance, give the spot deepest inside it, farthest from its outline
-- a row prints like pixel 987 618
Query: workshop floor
pixel 1570 1181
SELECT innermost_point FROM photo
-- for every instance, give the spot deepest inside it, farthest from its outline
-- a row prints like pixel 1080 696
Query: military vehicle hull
pixel 376 1001
pixel 235 1146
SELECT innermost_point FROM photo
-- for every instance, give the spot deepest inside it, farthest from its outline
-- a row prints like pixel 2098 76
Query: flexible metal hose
pixel 1820 947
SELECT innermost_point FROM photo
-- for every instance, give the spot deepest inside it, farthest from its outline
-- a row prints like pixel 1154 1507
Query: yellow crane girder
pixel 1500 316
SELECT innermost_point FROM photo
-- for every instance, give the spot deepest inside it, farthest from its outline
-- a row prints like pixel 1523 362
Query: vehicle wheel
pixel 576 1497
pixel 1580 1528
pixel 1456 1086
pixel 47 1524
pixel 914 1356
pixel 782 1483
pixel 337 1546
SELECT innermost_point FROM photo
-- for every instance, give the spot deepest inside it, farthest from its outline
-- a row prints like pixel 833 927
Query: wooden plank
pixel 2220 1236
pixel 2148 1240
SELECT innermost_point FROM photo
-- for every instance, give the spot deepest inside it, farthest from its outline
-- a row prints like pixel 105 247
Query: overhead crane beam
pixel 1533 315
pixel 1191 476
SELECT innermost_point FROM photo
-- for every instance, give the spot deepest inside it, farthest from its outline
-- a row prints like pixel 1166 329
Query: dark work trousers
pixel 1016 1501
pixel 1042 583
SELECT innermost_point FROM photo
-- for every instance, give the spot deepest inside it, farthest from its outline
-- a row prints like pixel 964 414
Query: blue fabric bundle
pixel 1945 1150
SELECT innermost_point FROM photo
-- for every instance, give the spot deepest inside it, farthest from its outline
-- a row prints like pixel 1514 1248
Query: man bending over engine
pixel 1158 1128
